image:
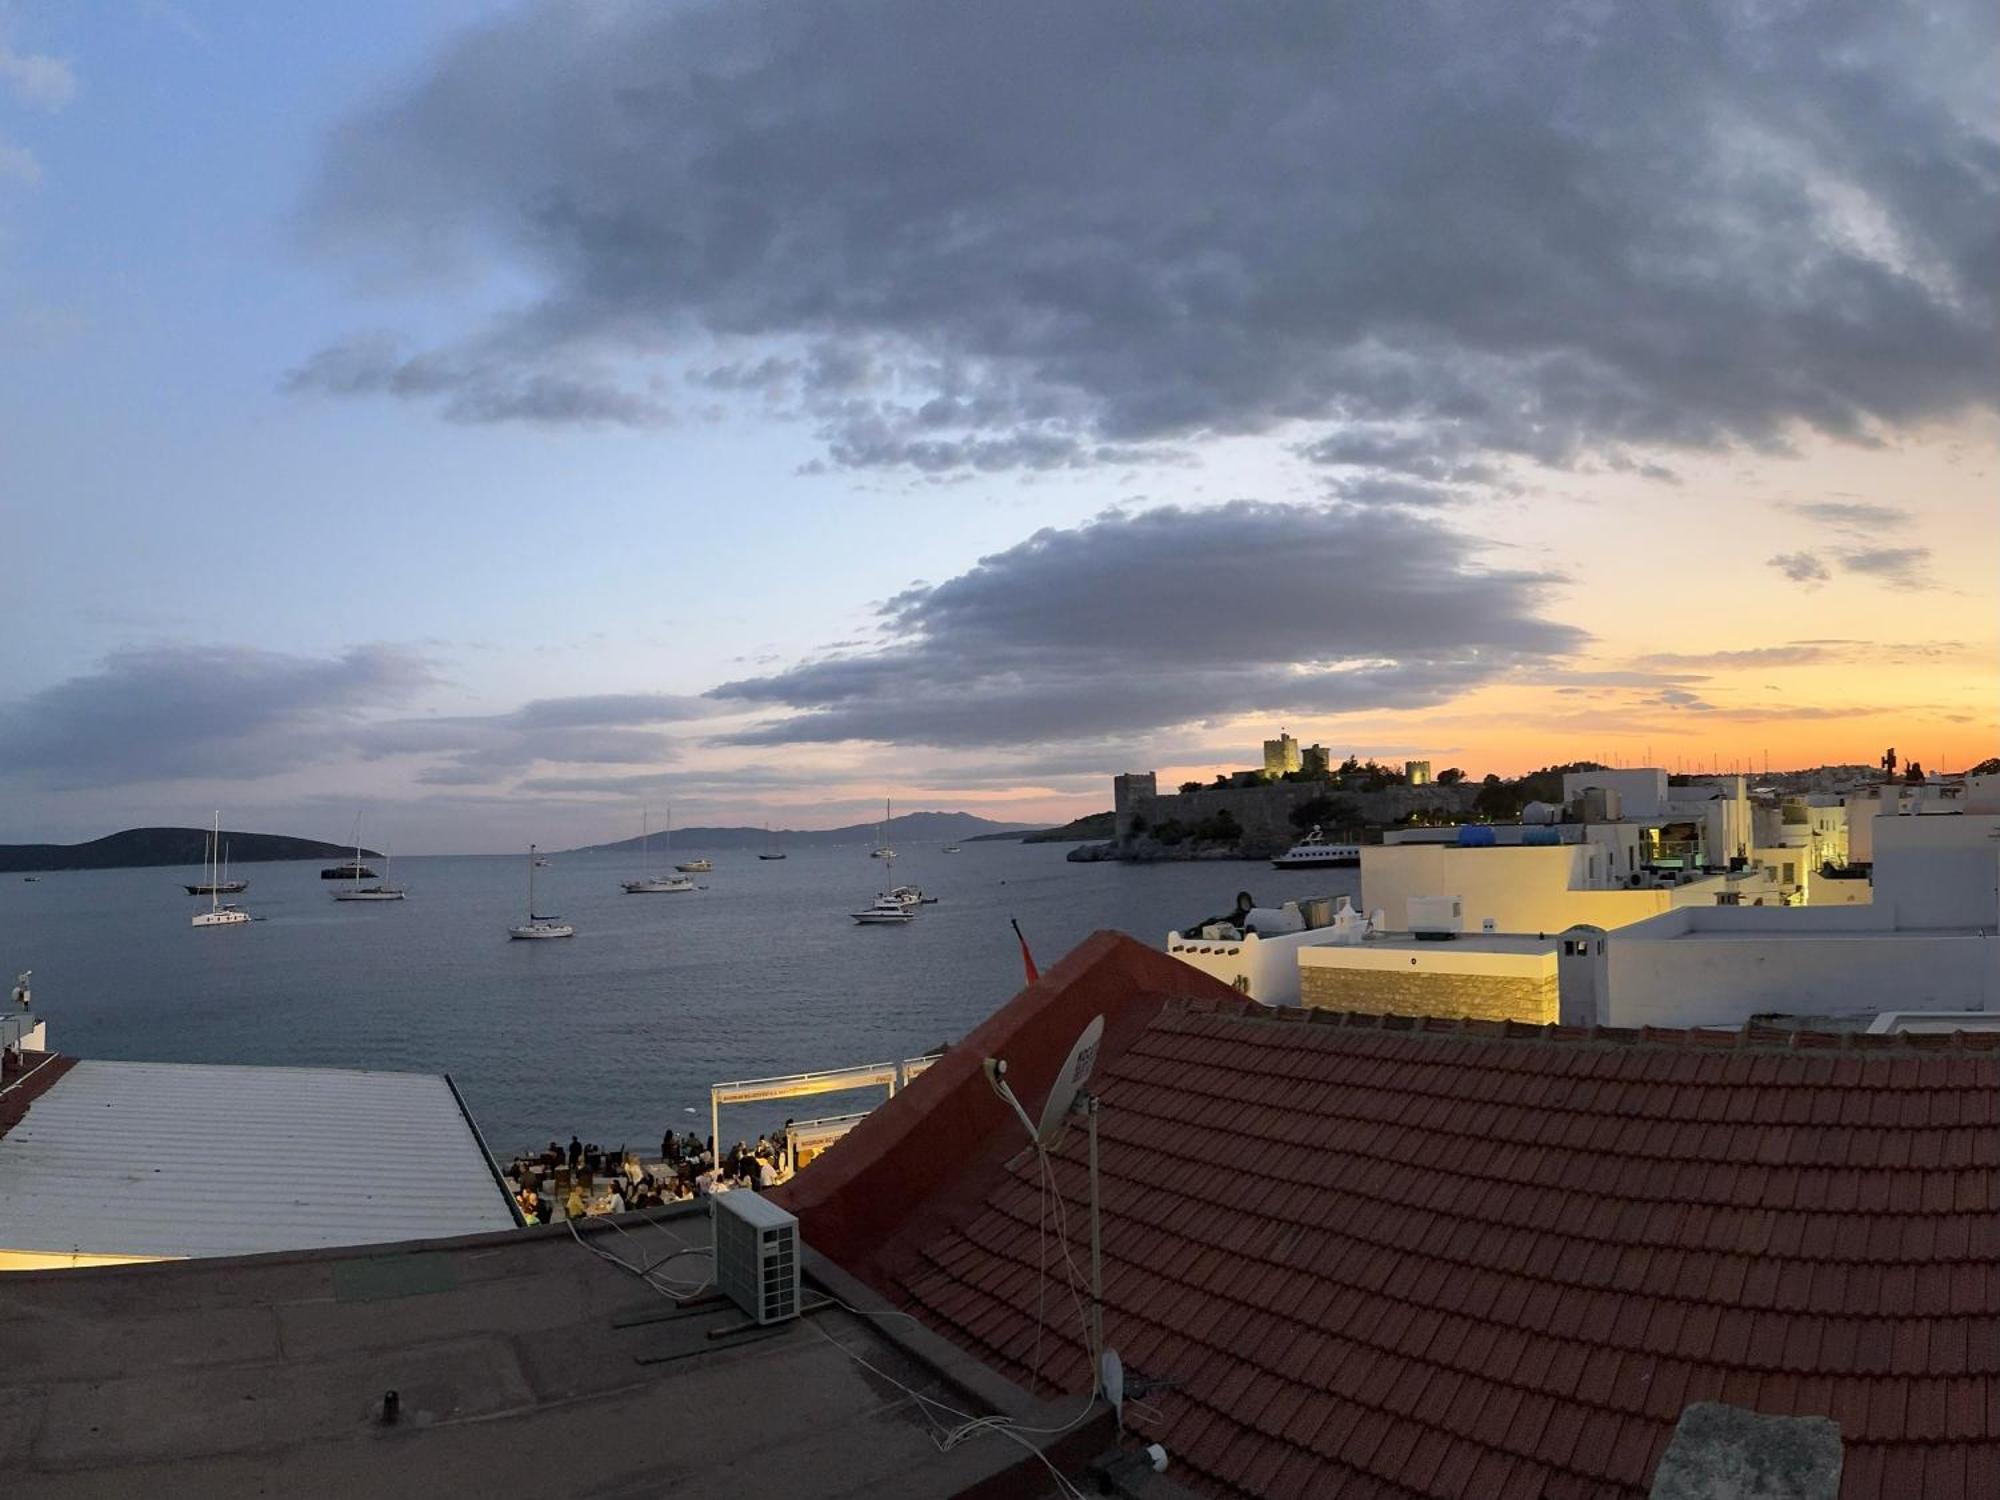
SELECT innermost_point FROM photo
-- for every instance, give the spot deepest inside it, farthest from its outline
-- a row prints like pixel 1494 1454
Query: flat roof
pixel 1464 942
pixel 188 1159
pixel 523 1364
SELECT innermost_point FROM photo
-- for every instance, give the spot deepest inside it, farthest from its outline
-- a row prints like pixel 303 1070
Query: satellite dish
pixel 1075 1073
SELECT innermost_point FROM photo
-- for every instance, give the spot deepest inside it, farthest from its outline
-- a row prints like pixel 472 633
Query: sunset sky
pixel 497 418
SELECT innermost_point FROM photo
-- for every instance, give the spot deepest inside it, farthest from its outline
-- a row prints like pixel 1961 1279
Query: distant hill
pixel 1090 827
pixel 137 847
pixel 910 828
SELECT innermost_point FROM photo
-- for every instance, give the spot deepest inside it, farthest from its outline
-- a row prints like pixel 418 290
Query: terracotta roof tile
pixel 1398 1259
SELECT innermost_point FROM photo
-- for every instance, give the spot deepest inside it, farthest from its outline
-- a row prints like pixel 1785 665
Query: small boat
pixel 360 892
pixel 221 885
pixel 539 926
pixel 219 913
pixel 888 911
pixel 771 849
pixel 654 885
pixel 541 864
pixel 694 867
pixel 882 849
pixel 910 895
pixel 37 880
pixel 1314 851
pixel 352 870
pixel 950 849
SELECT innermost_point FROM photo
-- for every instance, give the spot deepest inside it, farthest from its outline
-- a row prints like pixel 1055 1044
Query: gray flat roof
pixel 184 1159
pixel 524 1364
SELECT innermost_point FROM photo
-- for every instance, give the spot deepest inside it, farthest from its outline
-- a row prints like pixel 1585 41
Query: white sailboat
pixel 771 849
pixel 386 891
pixel 219 913
pixel 894 906
pixel 539 926
pixel 655 885
pixel 882 849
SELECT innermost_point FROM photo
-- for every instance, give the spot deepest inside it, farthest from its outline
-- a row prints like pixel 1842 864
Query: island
pixel 138 847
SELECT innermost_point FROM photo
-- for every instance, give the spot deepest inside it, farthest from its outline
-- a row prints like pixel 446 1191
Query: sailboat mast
pixel 215 863
pixel 531 882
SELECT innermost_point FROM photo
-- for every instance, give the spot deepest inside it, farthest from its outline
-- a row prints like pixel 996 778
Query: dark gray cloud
pixel 1898 567
pixel 1170 617
pixel 1851 515
pixel 1895 567
pixel 182 712
pixel 606 729
pixel 1043 234
pixel 476 387
pixel 1801 567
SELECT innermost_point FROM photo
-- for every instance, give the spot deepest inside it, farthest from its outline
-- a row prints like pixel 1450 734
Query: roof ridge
pixel 1751 1035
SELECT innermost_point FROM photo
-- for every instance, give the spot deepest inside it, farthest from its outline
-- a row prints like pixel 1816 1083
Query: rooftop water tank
pixel 1541 837
pixel 1541 812
pixel 1476 836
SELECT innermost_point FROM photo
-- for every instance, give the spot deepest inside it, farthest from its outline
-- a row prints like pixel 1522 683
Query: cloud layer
pixel 1049 234
pixel 1137 622
pixel 181 712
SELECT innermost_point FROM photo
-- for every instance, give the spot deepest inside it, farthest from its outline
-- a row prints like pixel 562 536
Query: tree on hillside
pixel 1325 812
pixel 1450 776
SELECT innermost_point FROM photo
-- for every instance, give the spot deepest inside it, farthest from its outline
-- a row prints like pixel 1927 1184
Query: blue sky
pixel 387 368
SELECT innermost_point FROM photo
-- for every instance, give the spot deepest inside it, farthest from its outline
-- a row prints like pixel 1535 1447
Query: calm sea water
pixel 614 1034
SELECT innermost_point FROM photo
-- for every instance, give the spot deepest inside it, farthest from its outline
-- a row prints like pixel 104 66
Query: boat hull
pixel 657 887
pixel 1317 862
pixel 368 895
pixel 223 918
pixel 541 931
pixel 222 888
pixel 884 918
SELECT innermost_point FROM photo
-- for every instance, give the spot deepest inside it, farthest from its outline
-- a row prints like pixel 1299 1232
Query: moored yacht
pixel 888 910
pixel 539 926
pixel 219 913
pixel 654 885
pixel 1316 850
pixel 694 866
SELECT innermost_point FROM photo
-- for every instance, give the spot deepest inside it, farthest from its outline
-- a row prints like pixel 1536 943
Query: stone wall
pixel 1383 992
pixel 1264 812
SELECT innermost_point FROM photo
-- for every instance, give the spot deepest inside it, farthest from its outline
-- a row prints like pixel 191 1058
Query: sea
pixel 616 1034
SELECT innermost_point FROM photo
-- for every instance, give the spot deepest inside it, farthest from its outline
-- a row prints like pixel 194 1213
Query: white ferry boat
pixel 1316 850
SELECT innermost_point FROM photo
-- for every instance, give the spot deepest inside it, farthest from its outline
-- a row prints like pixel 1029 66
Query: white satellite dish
pixel 1113 1371
pixel 1075 1073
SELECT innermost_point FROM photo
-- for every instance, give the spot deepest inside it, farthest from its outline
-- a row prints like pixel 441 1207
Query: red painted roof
pixel 1447 1259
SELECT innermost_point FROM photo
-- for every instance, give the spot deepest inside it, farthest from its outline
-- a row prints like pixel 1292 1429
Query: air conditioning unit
pixel 756 1255
pixel 1436 917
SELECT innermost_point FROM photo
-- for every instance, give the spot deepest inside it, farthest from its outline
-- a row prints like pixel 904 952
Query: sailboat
pixel 882 849
pixel 538 926
pixel 771 849
pixel 655 885
pixel 218 914
pixel 359 892
pixel 892 907
pixel 220 885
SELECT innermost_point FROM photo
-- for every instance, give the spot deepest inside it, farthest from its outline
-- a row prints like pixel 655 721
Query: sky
pixel 498 420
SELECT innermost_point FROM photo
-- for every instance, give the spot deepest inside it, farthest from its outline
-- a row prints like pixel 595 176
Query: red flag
pixel 1027 958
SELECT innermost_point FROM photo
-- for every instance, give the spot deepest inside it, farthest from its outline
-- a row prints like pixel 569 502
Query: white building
pixel 1546 886
pixel 1929 940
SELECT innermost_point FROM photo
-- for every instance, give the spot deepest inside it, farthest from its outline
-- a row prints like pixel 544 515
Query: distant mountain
pixel 167 846
pixel 910 828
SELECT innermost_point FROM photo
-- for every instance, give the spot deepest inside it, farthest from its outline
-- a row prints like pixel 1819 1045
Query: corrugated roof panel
pixel 181 1159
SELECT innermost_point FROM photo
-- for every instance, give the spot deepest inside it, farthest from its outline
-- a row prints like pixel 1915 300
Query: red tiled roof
pixel 1409 1258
